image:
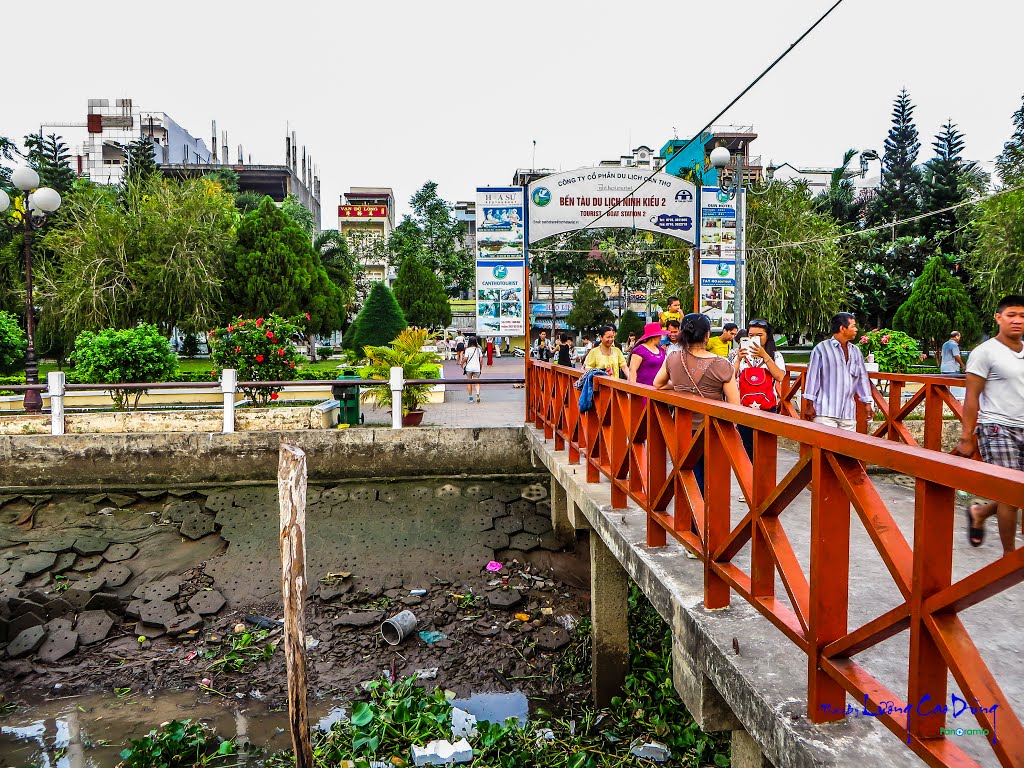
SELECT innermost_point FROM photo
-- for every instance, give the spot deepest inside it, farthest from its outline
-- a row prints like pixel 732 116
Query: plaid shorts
pixel 1001 445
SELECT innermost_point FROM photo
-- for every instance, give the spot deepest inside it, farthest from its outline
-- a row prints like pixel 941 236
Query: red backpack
pixel 757 389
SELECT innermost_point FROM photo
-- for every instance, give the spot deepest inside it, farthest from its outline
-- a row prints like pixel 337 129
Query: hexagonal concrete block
pixel 87 562
pixel 58 645
pixel 493 507
pixel 504 598
pixel 92 584
pixel 221 500
pixel 524 542
pixel 149 631
pixel 104 601
pixel 64 561
pixel 522 507
pixel 207 602
pixel 493 539
pixel 177 511
pixel 115 553
pixel 552 638
pixel 158 613
pixel 478 492
pixel 114 574
pixel 535 492
pixel 506 493
pixel 159 590
pixel 62 542
pixel 27 641
pixel 448 491
pixel 93 626
pixel 511 524
pixel 196 525
pixel 537 524
pixel 334 495
pixel 362 493
pixel 89 545
pixel 120 500
pixel 183 623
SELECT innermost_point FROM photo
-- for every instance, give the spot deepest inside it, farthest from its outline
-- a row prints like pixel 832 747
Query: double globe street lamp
pixel 36 203
pixel 720 158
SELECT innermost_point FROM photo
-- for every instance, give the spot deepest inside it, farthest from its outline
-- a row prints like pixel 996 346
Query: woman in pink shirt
pixel 647 356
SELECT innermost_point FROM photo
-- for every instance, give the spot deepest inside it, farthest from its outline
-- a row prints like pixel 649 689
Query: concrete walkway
pixel 503 405
pixel 768 676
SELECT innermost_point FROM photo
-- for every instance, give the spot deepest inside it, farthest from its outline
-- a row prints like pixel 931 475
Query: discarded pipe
pixel 398 627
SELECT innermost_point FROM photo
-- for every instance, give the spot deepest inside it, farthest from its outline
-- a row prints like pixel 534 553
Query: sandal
pixel 976 536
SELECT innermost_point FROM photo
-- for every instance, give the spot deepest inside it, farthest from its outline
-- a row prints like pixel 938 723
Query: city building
pixel 98 147
pixel 682 156
pixel 641 157
pixel 366 216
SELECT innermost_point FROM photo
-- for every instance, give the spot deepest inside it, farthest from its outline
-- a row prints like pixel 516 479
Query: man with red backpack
pixel 759 366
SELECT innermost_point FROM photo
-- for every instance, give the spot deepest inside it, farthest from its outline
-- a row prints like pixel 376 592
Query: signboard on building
pixel 500 261
pixel 362 211
pixel 569 201
pixel 718 257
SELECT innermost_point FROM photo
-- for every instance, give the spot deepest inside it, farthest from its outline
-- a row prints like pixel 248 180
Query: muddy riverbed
pixel 188 582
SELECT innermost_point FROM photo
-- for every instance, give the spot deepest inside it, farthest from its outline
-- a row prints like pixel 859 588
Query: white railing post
pixel 397 384
pixel 55 390
pixel 228 385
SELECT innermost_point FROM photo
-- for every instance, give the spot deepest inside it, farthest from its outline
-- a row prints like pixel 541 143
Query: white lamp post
pixel 720 158
pixel 38 203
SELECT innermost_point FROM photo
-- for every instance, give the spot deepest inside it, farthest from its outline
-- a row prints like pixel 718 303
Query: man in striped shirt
pixel 837 377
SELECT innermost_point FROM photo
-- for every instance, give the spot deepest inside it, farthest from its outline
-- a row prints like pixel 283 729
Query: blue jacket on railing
pixel 585 384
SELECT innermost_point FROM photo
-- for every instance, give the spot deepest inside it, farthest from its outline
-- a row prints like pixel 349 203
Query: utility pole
pixel 740 267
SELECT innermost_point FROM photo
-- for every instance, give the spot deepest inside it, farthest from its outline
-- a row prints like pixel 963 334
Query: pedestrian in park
pixel 759 367
pixel 472 366
pixel 606 355
pixel 722 345
pixel 543 348
pixel 490 351
pixel 564 350
pixel 460 348
pixel 951 363
pixel 631 342
pixel 648 356
pixel 994 414
pixel 837 377
pixel 497 347
pixel 696 371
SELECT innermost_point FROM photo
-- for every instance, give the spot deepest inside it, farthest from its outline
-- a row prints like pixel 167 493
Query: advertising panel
pixel 568 201
pixel 718 257
pixel 500 262
pixel 362 211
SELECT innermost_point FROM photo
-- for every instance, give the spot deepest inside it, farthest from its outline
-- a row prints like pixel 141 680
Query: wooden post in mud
pixel 291 491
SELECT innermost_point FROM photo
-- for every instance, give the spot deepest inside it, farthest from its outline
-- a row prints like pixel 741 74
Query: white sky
pixel 394 93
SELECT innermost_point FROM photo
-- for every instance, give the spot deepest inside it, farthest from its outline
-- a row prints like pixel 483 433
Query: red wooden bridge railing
pixel 641 441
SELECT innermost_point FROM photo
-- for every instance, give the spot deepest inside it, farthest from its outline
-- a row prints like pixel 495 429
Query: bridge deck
pixel 766 683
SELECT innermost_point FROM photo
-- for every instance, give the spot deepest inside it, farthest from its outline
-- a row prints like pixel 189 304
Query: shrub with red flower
pixel 260 350
pixel 894 351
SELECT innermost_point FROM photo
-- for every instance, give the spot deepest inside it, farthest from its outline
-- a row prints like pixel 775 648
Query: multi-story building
pixel 366 217
pixel 98 147
pixel 682 156
pixel 641 157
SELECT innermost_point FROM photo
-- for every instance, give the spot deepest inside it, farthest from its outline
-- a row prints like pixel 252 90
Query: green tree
pixel 12 344
pixel 899 195
pixel 997 261
pixel 140 160
pixel 340 264
pixel 114 356
pixel 630 322
pixel 421 296
pixel 300 214
pixel 433 235
pixel 156 255
pixel 672 272
pixel 226 177
pixel 380 321
pixel 273 269
pixel 938 304
pixel 50 157
pixel 247 202
pixel 588 308
pixel 1010 162
pixel 944 185
pixel 795 287
pixel 839 200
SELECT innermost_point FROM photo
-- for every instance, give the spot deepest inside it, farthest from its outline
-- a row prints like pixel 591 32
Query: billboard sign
pixel 718 257
pixel 500 262
pixel 569 201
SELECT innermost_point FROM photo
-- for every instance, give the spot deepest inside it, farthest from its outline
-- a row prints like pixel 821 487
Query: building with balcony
pixel 366 216
pixel 683 157
pixel 641 157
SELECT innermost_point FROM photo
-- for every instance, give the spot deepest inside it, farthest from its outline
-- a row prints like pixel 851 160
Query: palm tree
pixel 839 199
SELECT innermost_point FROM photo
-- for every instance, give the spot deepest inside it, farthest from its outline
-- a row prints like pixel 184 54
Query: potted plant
pixel 406 353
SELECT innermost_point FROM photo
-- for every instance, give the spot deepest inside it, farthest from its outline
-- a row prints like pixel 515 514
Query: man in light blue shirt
pixel 952 364
pixel 837 377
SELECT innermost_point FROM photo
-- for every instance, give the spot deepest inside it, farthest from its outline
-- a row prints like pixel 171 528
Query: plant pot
pixel 412 418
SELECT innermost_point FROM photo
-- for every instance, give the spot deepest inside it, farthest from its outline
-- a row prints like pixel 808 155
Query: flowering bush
pixel 260 349
pixel 894 351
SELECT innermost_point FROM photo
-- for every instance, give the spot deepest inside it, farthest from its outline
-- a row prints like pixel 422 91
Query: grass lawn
pixel 200 365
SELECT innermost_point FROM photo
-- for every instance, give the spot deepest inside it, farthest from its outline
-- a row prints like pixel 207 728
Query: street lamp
pixel 870 154
pixel 720 158
pixel 36 204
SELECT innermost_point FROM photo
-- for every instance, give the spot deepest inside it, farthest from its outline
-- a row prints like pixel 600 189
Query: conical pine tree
pixel 1010 162
pixel 900 192
pixel 380 321
pixel 943 187
pixel 421 295
pixel 938 305
pixel 50 157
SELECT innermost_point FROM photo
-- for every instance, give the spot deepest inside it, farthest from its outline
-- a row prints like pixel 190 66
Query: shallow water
pixel 90 731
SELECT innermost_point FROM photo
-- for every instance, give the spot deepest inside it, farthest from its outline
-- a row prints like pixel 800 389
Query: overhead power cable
pixel 726 108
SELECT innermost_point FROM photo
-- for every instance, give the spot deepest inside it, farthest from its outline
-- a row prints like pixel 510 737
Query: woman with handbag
pixel 471 366
pixel 696 371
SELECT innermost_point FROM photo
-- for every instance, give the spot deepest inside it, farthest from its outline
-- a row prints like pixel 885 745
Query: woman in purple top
pixel 647 356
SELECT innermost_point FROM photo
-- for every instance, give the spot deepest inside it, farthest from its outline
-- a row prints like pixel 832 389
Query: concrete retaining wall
pixel 190 458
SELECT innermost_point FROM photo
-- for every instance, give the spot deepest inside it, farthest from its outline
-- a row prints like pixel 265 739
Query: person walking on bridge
pixel 837 377
pixel 994 414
